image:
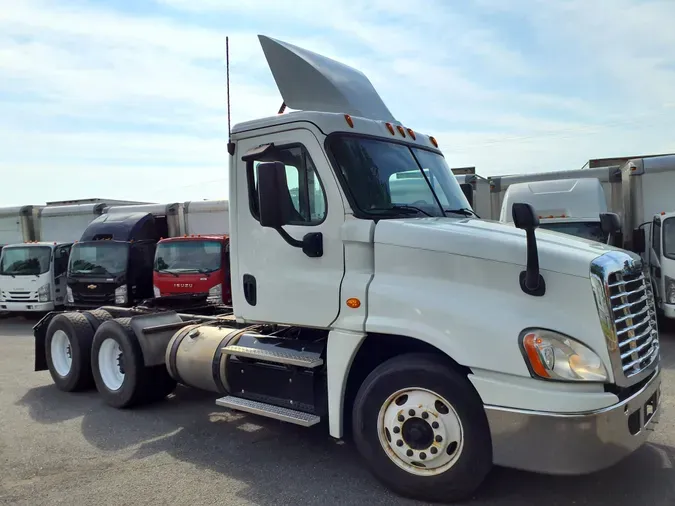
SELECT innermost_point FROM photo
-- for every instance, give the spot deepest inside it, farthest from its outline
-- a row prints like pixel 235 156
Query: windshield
pixel 669 238
pixel 102 258
pixel 188 256
pixel 585 230
pixel 395 179
pixel 25 260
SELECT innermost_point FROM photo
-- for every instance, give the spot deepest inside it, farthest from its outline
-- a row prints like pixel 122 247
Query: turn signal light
pixel 353 303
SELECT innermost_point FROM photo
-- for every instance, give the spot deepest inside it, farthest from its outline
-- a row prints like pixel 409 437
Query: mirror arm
pixel 311 244
pixel 531 280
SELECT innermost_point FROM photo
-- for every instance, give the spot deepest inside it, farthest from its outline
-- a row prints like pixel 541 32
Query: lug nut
pixel 439 438
pixel 425 415
pixel 434 450
pixel 397 430
pixel 409 453
pixel 411 412
pixel 399 443
pixel 435 425
pixel 401 418
pixel 423 455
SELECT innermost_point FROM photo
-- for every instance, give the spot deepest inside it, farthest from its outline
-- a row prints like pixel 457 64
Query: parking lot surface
pixel 58 448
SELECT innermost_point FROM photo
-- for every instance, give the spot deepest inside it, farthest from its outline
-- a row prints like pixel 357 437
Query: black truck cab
pixel 112 262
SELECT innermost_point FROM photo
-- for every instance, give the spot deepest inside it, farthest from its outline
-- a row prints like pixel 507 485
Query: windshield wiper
pixel 163 271
pixel 403 208
pixel 464 211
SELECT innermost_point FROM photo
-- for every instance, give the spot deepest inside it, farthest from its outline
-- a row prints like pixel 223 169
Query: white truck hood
pixel 492 240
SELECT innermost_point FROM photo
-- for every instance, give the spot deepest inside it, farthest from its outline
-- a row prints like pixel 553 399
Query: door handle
pixel 250 291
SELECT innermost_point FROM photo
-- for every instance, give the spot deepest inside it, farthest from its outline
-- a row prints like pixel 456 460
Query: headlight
pixel 553 356
pixel 215 293
pixel 156 291
pixel 670 290
pixel 69 295
pixel 121 294
pixel 44 293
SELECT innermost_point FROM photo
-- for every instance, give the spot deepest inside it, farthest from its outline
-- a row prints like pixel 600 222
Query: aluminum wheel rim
pixel 420 431
pixel 61 351
pixel 111 364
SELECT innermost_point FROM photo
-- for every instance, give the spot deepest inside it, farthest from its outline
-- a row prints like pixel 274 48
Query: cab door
pixel 61 258
pixel 273 281
pixel 655 260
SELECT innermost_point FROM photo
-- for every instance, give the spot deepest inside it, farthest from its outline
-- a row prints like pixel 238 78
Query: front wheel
pixel 422 429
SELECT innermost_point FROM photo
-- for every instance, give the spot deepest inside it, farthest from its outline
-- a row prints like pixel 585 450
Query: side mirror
pixel 524 216
pixel 467 190
pixel 531 281
pixel 639 240
pixel 610 226
pixel 271 182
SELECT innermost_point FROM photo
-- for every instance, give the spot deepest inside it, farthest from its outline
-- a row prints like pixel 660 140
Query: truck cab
pixel 112 261
pixel 570 206
pixel 33 276
pixel 193 264
pixel 445 342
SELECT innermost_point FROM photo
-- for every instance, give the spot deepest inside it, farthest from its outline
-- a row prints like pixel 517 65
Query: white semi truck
pixel 571 206
pixel 371 315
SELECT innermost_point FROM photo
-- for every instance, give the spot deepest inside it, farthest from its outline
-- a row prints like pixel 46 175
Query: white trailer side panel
pixel 204 217
pixel 67 223
pixel 18 224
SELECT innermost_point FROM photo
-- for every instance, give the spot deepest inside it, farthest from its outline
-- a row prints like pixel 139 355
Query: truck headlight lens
pixel 215 293
pixel 44 293
pixel 553 356
pixel 121 294
pixel 69 295
pixel 156 291
pixel 670 290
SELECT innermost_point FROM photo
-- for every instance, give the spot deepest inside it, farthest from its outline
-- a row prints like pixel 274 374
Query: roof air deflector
pixel 308 81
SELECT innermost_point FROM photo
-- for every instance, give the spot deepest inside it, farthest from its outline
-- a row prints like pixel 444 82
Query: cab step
pixel 276 355
pixel 268 410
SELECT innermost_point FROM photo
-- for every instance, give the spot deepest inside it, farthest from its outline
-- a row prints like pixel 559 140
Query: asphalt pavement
pixel 71 449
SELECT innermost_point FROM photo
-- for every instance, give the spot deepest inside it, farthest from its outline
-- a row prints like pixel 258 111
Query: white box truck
pixel 648 219
pixel 371 314
pixel 33 273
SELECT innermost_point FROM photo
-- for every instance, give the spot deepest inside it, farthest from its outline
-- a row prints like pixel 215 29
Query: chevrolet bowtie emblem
pixel 91 287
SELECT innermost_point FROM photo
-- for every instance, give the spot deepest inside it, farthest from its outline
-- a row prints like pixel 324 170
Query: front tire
pixel 422 429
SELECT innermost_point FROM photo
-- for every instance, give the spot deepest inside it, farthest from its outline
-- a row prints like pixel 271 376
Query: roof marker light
pixel 411 133
pixel 401 130
pixel 350 122
pixel 433 141
pixel 390 127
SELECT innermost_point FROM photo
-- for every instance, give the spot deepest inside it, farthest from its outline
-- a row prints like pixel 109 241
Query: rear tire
pixel 422 429
pixel 96 317
pixel 119 372
pixel 68 350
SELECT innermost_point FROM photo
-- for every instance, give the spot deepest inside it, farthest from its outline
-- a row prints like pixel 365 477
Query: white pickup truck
pixel 441 343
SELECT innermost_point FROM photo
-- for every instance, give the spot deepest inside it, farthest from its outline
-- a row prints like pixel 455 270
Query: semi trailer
pixel 370 315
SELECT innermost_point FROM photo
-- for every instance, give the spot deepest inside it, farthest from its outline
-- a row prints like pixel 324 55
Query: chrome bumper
pixel 574 443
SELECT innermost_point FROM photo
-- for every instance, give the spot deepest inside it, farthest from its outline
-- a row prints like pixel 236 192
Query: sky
pixel 126 99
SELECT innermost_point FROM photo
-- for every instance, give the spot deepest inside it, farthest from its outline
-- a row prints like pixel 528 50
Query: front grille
pixel 625 305
pixel 94 298
pixel 634 321
pixel 16 296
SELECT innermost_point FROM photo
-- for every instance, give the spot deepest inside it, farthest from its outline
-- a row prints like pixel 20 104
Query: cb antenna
pixel 230 144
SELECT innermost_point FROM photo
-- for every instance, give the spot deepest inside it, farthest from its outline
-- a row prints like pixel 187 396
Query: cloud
pixel 131 103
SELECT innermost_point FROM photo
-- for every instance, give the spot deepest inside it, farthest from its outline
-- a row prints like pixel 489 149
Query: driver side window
pixel 304 187
pixel 61 256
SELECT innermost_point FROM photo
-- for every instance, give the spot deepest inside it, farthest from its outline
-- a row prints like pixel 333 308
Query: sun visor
pixel 308 81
